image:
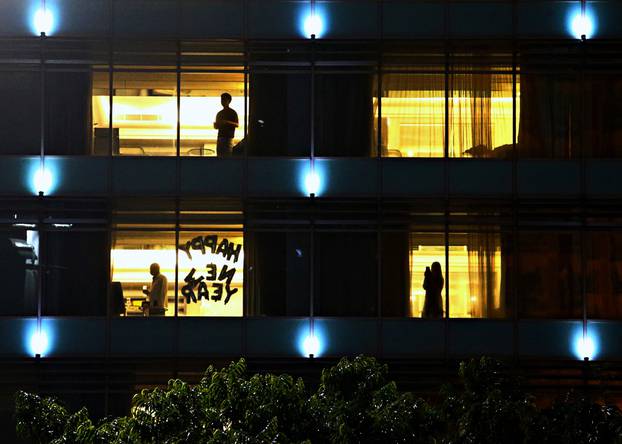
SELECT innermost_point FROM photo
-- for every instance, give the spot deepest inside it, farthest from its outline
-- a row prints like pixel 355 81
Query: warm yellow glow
pixel 148 124
pixel 130 266
pixel 462 278
pixel 415 119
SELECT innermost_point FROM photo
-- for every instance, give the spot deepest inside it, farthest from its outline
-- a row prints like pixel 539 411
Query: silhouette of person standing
pixel 226 123
pixel 433 285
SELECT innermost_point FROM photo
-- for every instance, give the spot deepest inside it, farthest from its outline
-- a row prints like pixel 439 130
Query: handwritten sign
pixel 214 283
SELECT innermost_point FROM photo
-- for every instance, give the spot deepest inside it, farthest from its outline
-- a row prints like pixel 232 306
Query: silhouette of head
pixel 225 99
pixel 154 269
pixel 436 269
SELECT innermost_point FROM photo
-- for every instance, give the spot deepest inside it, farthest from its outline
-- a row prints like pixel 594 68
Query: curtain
pixel 550 116
pixel 480 113
pixel 604 275
pixel 486 275
pixel 344 115
pixel 413 115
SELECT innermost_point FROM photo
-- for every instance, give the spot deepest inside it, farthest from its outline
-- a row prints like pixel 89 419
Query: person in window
pixel 433 285
pixel 226 123
pixel 157 293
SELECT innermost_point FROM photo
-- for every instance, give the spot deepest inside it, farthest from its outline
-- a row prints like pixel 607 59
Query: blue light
pixel 581 24
pixel 42 176
pixel 38 340
pixel 311 343
pixel 313 22
pixel 585 347
pixel 312 178
pixel 43 18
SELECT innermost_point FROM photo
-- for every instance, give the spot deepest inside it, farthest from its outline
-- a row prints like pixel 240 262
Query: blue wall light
pixel 42 177
pixel 582 23
pixel 312 178
pixel 38 341
pixel 311 342
pixel 585 346
pixel 43 19
pixel 313 21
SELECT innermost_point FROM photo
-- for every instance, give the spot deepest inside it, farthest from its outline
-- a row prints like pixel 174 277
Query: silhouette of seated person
pixel 433 285
pixel 226 123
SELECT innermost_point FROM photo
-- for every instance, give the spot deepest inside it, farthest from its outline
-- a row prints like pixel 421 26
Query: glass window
pixel 19 260
pixel 144 113
pixel 208 119
pixel 138 287
pixel 20 108
pixel 345 274
pixel 479 264
pixel 344 110
pixel 76 267
pixel 603 114
pixel 67 102
pixel 480 115
pixel 549 275
pixel 549 116
pixel 604 275
pixel 427 275
pixel 279 114
pixel 413 115
pixel 279 265
pixel 211 273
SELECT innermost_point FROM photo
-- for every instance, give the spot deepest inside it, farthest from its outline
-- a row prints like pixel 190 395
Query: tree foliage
pixel 354 402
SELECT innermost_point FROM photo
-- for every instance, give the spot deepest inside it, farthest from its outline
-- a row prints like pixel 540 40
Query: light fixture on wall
pixel 585 345
pixel 582 22
pixel 42 180
pixel 311 346
pixel 313 23
pixel 312 183
pixel 39 343
pixel 43 20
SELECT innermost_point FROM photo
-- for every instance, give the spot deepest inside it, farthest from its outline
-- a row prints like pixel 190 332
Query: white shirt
pixel 157 293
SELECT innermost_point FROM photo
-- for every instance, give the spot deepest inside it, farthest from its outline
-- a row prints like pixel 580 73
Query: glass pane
pixel 138 287
pixel 480 115
pixel 204 106
pixel 344 114
pixel 478 272
pixel 549 279
pixel 280 116
pixel 211 273
pixel 19 259
pixel 279 273
pixel 604 275
pixel 427 282
pixel 345 274
pixel 549 116
pixel 20 128
pixel 76 265
pixel 603 103
pixel 144 113
pixel 413 115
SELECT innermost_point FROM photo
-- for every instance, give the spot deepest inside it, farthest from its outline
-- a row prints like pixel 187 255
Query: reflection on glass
pixel 211 274
pixel 131 258
pixel 19 259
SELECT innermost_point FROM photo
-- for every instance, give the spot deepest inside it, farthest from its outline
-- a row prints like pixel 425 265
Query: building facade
pixel 374 139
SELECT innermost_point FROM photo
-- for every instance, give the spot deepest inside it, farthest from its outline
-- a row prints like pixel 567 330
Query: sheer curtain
pixel 485 274
pixel 413 115
pixel 480 113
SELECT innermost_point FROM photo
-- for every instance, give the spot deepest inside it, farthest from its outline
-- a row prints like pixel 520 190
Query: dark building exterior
pixel 374 139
